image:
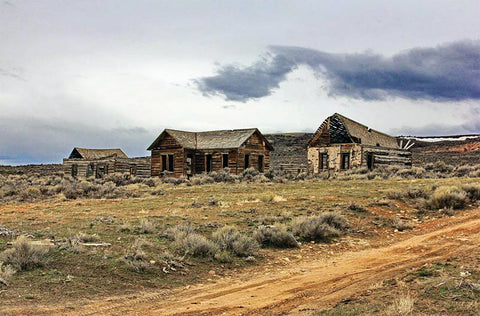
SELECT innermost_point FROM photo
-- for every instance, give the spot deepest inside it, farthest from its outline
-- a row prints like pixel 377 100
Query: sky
pixel 115 73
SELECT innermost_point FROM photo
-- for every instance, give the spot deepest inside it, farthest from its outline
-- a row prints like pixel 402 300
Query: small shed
pixel 341 143
pixel 181 153
pixel 87 162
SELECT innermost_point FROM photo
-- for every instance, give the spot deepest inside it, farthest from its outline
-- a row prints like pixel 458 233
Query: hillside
pixel 290 150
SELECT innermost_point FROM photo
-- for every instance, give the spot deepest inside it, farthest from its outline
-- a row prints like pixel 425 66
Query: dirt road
pixel 300 289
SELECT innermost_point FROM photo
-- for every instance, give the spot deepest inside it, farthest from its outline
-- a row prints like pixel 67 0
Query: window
pixel 247 161
pixel 164 162
pixel 225 161
pixel 74 170
pixel 133 170
pixel 345 163
pixel 260 163
pixel 101 171
pixel 323 161
pixel 170 163
pixel 208 163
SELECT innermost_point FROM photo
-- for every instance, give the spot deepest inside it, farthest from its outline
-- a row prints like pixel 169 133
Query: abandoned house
pixel 179 153
pixel 85 163
pixel 341 143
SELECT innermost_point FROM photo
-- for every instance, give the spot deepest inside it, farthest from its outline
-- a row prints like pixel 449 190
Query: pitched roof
pixel 211 139
pixel 345 130
pixel 87 153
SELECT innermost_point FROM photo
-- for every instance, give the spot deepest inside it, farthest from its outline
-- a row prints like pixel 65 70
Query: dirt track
pixel 299 290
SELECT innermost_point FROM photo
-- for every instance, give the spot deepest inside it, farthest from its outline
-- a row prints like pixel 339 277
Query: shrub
pixel 447 197
pixel 401 225
pixel 196 245
pixel 179 231
pixel 322 227
pixel 230 239
pixel 31 193
pixel 6 272
pixel 413 193
pixel 85 238
pixel 146 226
pixel 473 191
pixel 356 207
pixel 275 237
pixel 442 167
pixel 24 255
pixel 138 266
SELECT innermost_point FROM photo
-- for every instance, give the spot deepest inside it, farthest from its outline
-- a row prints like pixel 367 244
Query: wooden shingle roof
pixel 88 153
pixel 221 139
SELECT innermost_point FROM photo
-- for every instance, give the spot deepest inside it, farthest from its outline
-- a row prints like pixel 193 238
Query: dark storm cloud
pixel 27 140
pixel 448 72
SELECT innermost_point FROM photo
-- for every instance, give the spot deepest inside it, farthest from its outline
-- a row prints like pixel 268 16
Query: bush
pixel 322 227
pixel 401 225
pixel 24 255
pixel 356 207
pixel 275 237
pixel 196 245
pixel 230 239
pixel 146 226
pixel 85 238
pixel 6 272
pixel 447 197
pixel 473 191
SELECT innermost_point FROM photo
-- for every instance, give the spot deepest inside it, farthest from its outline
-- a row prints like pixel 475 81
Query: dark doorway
pixel 74 170
pixel 225 161
pixel 345 163
pixel 189 164
pixel 90 169
pixel 171 166
pixel 260 163
pixel 323 161
pixel 247 161
pixel 208 162
pixel 164 162
pixel 370 161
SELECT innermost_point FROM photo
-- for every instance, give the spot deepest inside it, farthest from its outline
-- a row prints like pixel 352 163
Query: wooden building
pixel 84 163
pixel 180 153
pixel 341 143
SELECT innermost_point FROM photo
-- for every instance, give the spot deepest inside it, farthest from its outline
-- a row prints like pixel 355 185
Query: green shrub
pixel 270 236
pixel 447 197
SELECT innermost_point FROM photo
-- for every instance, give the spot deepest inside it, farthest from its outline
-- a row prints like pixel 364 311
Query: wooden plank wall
pixel 142 165
pixel 168 146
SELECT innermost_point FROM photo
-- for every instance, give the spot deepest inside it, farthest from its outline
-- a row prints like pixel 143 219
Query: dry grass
pixel 25 255
pixel 401 306
pixel 6 273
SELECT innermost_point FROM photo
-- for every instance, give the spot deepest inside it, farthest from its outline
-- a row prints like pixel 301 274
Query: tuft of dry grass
pixel 401 306
pixel 401 225
pixel 146 226
pixel 6 272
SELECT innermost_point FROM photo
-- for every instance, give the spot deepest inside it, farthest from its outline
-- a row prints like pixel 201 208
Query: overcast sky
pixel 115 73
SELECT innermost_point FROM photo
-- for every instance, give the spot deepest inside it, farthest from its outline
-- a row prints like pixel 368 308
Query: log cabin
pixel 182 154
pixel 86 162
pixel 341 144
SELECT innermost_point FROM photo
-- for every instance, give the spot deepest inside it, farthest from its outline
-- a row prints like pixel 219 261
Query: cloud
pixel 32 140
pixel 449 72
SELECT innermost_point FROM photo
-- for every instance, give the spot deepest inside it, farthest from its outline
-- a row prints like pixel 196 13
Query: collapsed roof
pixel 338 129
pixel 88 153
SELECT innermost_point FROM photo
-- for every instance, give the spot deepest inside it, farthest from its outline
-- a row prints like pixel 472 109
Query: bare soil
pixel 312 284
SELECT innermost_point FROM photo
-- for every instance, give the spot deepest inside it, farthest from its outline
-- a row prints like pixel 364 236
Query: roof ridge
pixel 367 127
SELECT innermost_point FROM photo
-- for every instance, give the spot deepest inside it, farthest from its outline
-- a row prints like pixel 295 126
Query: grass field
pixel 76 272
